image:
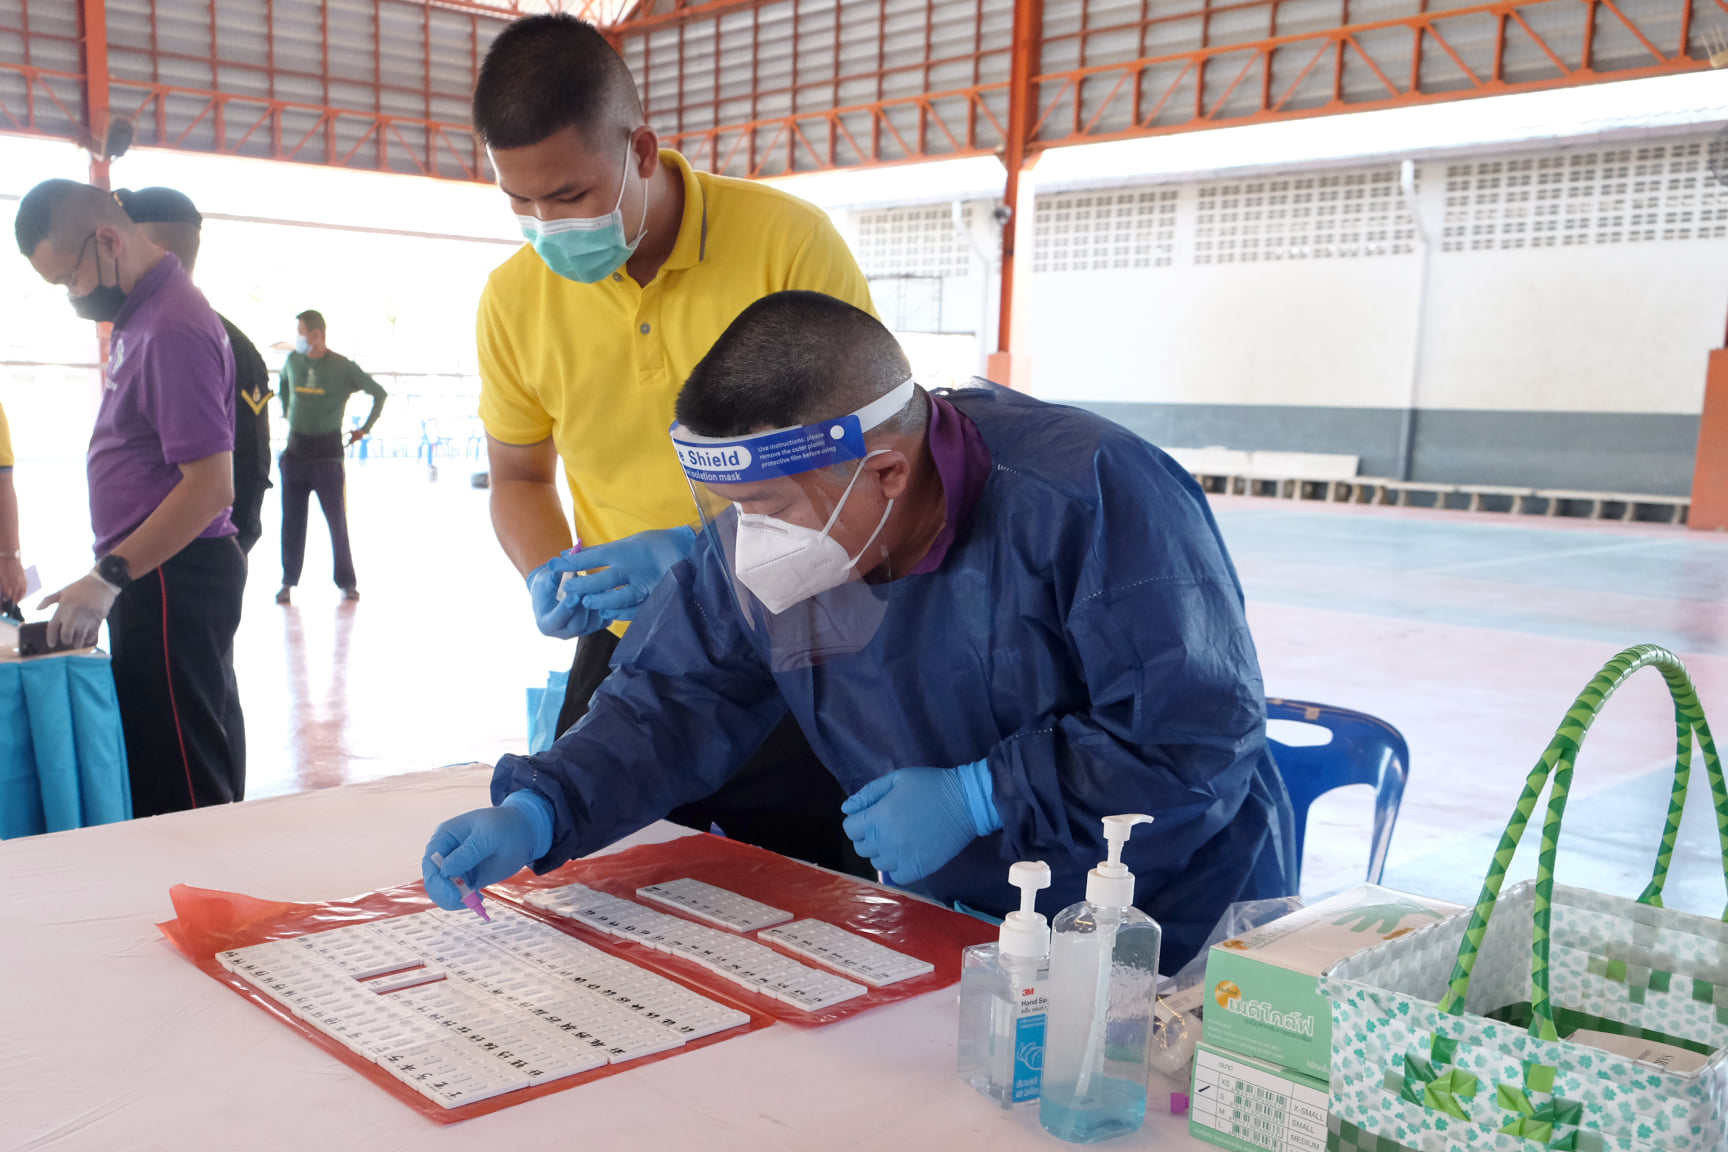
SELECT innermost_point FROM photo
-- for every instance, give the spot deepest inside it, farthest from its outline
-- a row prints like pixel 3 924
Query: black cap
pixel 159 206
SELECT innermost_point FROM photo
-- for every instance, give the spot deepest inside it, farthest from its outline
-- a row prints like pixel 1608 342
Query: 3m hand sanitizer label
pixel 1029 1045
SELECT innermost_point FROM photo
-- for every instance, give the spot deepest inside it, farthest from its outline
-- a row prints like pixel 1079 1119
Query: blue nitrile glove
pixel 914 820
pixel 563 619
pixel 487 845
pixel 629 569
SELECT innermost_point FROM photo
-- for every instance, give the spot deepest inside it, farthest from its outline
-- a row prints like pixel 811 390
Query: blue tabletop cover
pixel 62 756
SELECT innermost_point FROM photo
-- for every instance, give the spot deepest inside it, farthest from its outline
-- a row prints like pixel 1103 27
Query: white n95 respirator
pixel 784 563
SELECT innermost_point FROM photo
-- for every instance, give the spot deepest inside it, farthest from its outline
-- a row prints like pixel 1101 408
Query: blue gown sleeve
pixel 688 702
pixel 1175 725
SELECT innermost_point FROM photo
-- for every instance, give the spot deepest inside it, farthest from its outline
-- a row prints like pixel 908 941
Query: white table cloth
pixel 112 1040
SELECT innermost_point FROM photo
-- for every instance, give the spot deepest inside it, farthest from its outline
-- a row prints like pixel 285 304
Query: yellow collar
pixel 692 244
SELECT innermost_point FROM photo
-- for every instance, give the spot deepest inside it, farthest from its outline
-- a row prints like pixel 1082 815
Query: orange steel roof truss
pixel 902 116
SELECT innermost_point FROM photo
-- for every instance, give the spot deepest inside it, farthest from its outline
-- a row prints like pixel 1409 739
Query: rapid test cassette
pixel 755 966
pixel 715 905
pixel 461 1011
pixel 857 957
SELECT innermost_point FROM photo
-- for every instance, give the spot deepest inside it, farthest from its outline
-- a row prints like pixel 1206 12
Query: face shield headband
pixel 785 451
pixel 779 565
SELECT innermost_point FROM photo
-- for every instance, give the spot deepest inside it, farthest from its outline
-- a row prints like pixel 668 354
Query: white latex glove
pixel 83 605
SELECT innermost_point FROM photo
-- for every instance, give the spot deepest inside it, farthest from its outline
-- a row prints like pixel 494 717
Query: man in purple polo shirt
pixel 169 573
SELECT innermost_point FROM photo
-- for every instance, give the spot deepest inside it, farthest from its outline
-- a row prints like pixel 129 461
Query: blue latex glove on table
pixel 629 570
pixel 563 619
pixel 914 820
pixel 486 846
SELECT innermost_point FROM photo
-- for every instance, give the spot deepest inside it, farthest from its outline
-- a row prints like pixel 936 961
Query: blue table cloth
pixel 62 756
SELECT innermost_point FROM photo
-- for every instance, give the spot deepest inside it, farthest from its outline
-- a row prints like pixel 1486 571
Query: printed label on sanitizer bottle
pixel 1029 1045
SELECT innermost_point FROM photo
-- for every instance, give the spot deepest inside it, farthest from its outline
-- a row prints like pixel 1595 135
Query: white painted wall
pixel 1310 333
pixel 1613 328
pixel 1601 326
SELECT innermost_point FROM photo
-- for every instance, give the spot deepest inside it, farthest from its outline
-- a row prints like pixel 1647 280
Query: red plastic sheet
pixel 209 922
pixel 902 922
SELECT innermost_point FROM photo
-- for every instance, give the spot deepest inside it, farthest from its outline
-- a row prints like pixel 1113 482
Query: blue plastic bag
pixel 544 704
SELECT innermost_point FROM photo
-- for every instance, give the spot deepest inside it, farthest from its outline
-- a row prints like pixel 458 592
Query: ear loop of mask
pixel 642 227
pixel 591 223
pixel 79 263
pixel 827 528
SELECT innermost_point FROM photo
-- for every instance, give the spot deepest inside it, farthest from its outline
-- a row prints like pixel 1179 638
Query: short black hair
pixel 168 217
pixel 313 320
pixel 546 73
pixel 795 358
pixel 55 208
pixel 159 206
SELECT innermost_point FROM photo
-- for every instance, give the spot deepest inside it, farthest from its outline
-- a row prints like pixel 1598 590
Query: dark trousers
pixel 172 636
pixel 782 799
pixel 301 477
pixel 249 489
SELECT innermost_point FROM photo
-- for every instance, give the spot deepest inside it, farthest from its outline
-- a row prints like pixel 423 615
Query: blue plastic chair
pixel 1362 750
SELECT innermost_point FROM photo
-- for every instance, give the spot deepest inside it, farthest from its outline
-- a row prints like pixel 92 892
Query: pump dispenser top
pixel 1111 885
pixel 1025 933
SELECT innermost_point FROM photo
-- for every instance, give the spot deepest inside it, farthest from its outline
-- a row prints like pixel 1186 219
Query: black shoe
pixel 282 596
pixel 350 593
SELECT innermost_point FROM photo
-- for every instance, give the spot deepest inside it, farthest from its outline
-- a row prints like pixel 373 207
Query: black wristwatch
pixel 114 570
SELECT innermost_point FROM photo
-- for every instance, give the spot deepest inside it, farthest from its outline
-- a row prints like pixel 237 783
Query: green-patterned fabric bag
pixel 1460 1035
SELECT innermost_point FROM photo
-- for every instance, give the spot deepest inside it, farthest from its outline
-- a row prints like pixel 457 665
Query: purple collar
pixel 963 465
pixel 146 287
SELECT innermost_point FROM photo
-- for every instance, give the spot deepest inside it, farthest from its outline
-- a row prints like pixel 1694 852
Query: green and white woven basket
pixel 1430 1047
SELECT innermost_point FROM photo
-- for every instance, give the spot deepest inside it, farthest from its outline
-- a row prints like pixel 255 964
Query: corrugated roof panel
pixel 1561 27
pixel 402 48
pixel 49 105
pixel 399 59
pixel 1381 70
pixel 752 90
pixel 1617 46
pixel 129 38
pixel 244 81
pixel 48 20
pixel 784 60
pixel 1243 25
pixel 243 34
pixel 1167 94
pixel 349 43
pixel 454 53
pixel 1299 17
pixel 1062 19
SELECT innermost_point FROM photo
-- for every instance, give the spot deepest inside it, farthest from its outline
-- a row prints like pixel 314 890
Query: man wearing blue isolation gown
pixel 997 621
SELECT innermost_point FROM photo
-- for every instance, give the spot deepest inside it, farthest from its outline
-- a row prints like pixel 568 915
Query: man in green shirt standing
pixel 315 387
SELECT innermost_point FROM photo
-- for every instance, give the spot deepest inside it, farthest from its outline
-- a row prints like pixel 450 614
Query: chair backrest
pixel 1362 750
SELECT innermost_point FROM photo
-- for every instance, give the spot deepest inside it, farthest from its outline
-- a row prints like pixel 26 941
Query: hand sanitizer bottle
pixel 1002 999
pixel 1103 983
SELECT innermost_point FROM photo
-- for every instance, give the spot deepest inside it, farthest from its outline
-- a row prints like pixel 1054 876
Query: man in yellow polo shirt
pixel 11 566
pixel 635 265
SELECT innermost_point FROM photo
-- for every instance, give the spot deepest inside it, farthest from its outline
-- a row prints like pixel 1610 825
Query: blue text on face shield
pixel 734 458
pixel 771 455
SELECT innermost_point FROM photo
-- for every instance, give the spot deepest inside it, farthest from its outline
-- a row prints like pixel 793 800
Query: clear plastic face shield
pixel 801 521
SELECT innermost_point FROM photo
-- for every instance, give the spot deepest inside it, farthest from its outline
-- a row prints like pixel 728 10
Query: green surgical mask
pixel 587 249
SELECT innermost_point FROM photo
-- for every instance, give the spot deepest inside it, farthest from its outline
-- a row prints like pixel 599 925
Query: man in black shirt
pixel 169 218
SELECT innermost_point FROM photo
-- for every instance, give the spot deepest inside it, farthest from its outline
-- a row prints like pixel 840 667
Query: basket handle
pixel 1557 761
